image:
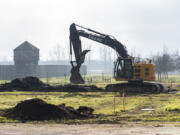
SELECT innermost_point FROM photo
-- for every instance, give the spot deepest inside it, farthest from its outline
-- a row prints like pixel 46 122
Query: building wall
pixel 45 71
pixel 26 62
pixel 23 70
pixel 8 72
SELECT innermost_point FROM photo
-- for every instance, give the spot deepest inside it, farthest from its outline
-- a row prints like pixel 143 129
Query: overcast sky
pixel 141 25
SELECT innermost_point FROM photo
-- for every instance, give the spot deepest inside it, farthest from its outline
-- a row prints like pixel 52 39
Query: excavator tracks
pixel 136 87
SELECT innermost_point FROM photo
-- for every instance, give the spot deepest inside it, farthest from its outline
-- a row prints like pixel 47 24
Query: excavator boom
pixel 98 37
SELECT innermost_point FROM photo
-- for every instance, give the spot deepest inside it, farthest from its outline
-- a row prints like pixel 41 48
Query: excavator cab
pixel 123 69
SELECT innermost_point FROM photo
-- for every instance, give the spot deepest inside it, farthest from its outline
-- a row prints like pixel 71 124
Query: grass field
pixel 166 106
pixel 109 107
pixel 102 80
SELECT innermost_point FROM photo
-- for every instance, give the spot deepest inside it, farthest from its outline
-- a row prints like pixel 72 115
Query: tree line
pixel 164 61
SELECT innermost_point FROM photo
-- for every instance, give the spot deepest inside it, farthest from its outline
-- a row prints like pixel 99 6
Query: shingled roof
pixel 26 46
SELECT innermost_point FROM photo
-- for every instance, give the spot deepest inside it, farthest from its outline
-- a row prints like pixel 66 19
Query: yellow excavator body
pixel 138 77
pixel 141 71
pixel 144 71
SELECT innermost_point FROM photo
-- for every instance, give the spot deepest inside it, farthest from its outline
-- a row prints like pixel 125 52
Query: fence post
pixel 124 96
pixel 114 103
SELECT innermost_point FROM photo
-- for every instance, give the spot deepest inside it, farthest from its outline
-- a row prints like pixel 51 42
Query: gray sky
pixel 142 25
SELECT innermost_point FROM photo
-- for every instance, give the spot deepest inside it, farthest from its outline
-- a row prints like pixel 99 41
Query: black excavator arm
pixel 107 40
pixel 98 37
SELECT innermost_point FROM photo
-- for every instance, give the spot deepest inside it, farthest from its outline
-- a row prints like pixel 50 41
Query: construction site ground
pixel 108 107
pixel 90 129
pixel 137 114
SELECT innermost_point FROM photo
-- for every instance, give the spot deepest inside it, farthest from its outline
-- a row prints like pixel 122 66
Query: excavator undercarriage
pixel 136 87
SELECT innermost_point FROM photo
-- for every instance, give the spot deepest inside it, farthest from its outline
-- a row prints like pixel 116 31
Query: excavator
pixel 136 76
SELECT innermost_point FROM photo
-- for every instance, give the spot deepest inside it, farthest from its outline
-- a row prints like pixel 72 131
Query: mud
pixel 34 84
pixel 37 109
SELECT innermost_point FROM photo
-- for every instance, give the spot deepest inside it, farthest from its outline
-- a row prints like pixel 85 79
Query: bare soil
pixel 89 129
pixel 37 109
pixel 34 84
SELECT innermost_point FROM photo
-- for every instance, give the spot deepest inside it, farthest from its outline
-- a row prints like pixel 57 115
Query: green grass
pixel 171 79
pixel 97 80
pixel 166 106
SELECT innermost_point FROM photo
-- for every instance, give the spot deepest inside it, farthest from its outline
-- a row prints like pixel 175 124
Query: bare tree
pixel 104 51
pixel 164 63
pixel 58 53
pixel 158 65
pixel 109 59
pixel 104 56
pixel 177 59
pixel 89 55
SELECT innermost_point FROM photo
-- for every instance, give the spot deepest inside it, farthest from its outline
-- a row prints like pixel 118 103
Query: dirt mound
pixel 78 88
pixel 25 84
pixel 37 109
pixel 34 84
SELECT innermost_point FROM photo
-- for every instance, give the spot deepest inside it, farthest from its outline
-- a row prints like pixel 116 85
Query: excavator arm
pixel 98 37
pixel 107 40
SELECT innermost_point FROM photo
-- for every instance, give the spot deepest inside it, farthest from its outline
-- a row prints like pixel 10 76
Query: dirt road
pixel 93 129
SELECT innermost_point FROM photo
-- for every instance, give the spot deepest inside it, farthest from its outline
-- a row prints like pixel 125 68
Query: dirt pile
pixel 34 84
pixel 25 84
pixel 78 88
pixel 37 109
